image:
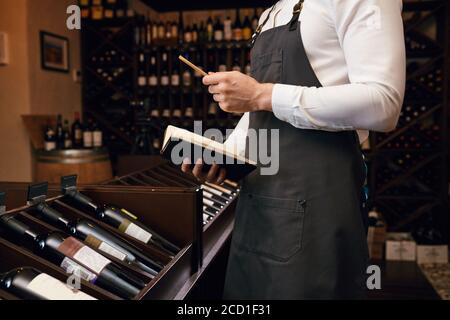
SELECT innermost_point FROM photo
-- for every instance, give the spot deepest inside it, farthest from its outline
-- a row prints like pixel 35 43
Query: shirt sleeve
pixel 371 36
pixel 236 142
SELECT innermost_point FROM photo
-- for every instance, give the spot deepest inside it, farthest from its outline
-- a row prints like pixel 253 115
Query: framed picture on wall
pixel 54 52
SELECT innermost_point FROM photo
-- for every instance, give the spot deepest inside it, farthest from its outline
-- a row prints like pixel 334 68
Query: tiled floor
pixel 439 277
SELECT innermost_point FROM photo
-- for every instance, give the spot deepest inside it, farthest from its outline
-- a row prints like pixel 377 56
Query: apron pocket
pixel 268 67
pixel 273 226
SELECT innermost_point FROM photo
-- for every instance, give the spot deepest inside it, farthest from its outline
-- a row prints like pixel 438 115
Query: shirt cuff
pixel 286 105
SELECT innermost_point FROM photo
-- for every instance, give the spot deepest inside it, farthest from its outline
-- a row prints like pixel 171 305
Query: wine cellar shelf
pixel 407 168
pixel 130 90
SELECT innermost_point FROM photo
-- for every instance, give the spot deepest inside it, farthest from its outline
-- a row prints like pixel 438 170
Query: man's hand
pixel 216 175
pixel 238 93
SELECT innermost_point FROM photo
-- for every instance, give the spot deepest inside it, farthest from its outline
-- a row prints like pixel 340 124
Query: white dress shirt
pixel 356 48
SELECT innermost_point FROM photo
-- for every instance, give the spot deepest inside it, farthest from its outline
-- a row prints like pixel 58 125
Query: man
pixel 325 72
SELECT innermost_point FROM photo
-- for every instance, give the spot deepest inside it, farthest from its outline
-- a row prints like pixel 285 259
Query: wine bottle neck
pixel 19 228
pixel 52 215
pixel 82 199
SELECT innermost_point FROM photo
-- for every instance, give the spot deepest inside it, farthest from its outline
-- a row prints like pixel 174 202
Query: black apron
pixel 299 234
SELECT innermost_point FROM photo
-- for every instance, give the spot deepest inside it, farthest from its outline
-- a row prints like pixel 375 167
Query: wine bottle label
pixel 247 33
pixel 248 70
pixel 218 35
pixel 105 247
pixel 188 37
pixel 153 81
pixel 53 289
pixel 87 139
pixel 228 31
pixel 78 134
pixel 175 80
pixel 165 80
pixel 135 231
pixel 187 79
pixel 67 144
pixel 156 144
pixel 50 145
pixel 221 189
pixel 208 202
pixel 84 255
pixel 98 138
pixel 142 81
pixel 213 191
pixel 91 259
pixel 70 267
pixel 207 194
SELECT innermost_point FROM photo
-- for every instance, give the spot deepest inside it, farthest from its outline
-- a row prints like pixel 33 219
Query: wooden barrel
pixel 91 166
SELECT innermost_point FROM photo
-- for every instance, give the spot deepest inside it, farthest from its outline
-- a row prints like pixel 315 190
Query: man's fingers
pixel 218 97
pixel 186 165
pixel 197 171
pixel 215 78
pixel 185 168
pixel 212 174
pixel 213 89
pixel 222 176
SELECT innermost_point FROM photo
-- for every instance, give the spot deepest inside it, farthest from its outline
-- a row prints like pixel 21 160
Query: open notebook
pixel 180 144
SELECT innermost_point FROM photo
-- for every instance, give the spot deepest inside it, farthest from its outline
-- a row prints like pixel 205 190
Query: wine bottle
pixel 255 20
pixel 161 30
pixel 31 284
pixel 165 80
pixel 237 28
pixel 75 258
pixel 148 32
pixel 228 29
pixel 142 78
pixel 87 135
pixel 195 33
pixel 77 132
pixel 49 138
pixel 218 30
pixel 153 78
pixel 175 77
pixel 187 78
pixel 95 236
pixel 209 30
pixel 154 32
pixel 59 133
pixel 188 35
pixel 202 33
pixel 118 218
pixel 180 28
pixel 174 30
pixel 247 29
pixel 168 34
pixel 67 137
pixel 97 136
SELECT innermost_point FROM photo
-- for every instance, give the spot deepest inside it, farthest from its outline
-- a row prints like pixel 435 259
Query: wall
pixel 15 151
pixel 52 92
pixel 27 89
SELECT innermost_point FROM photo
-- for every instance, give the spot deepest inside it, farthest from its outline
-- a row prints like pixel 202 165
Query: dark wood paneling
pixel 164 5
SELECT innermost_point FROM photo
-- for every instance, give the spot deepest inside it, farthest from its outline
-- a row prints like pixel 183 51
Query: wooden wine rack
pixel 408 168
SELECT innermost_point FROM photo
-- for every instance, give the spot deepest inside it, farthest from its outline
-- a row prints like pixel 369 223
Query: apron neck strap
pixel 261 26
pixel 292 24
pixel 296 15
